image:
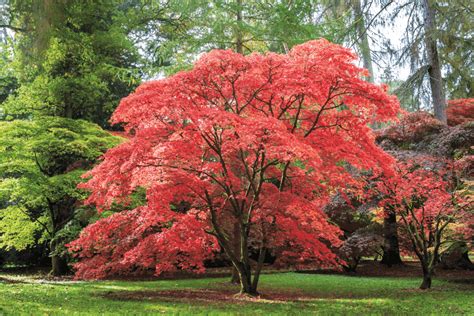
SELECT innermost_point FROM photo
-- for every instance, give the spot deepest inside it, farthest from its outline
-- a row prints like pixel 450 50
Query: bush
pixel 460 111
pixel 362 243
pixel 413 127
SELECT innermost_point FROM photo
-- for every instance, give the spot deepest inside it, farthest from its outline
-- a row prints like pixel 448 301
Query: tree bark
pixel 60 213
pixel 258 269
pixel 59 264
pixel 234 279
pixel 427 273
pixel 391 249
pixel 426 284
pixel 363 39
pixel 434 71
pixel 239 45
pixel 245 278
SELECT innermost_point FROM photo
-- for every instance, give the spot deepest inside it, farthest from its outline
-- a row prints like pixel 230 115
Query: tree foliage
pixel 73 59
pixel 423 197
pixel 253 142
pixel 40 166
pixel 196 27
pixel 449 33
pixel 460 111
pixel 412 127
pixel 362 243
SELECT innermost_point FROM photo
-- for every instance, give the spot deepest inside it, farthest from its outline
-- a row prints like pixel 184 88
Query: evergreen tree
pixel 73 60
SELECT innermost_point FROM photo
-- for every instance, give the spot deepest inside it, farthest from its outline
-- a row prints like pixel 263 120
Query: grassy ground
pixel 283 293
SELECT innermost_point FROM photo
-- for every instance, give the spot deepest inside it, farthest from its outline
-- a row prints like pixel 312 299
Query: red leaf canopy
pixel 259 140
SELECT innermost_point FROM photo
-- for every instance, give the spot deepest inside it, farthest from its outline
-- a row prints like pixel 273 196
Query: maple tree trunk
pixel 235 279
pixel 239 257
pixel 352 267
pixel 434 71
pixel 426 284
pixel 258 269
pixel 391 249
pixel 247 286
pixel 58 263
pixel 427 273
pixel 59 266
pixel 245 277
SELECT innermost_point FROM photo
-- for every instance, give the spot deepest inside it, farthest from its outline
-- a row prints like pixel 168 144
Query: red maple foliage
pixel 464 172
pixel 412 127
pixel 422 194
pixel 240 150
pixel 460 111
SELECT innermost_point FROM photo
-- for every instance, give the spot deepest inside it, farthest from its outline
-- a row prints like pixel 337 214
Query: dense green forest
pixel 382 145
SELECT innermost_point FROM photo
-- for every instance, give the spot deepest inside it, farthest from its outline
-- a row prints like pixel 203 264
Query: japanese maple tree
pixel 422 194
pixel 240 154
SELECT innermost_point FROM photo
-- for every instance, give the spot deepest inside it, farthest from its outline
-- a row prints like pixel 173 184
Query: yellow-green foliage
pixel 17 229
pixel 41 163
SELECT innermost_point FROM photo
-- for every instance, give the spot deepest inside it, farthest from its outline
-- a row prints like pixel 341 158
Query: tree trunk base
pixel 426 284
pixel 391 260
pixel 247 295
pixel 234 279
pixel 59 266
pixel 391 248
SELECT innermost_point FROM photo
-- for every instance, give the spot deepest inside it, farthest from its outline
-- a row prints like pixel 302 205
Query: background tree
pixel 362 36
pixel 391 246
pixel 8 81
pixel 73 60
pixel 425 206
pixel 40 166
pixel 363 232
pixel 437 46
pixel 419 133
pixel 362 243
pixel 433 62
pixel 244 26
pixel 70 59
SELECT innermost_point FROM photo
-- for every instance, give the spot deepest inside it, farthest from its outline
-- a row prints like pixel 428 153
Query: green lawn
pixel 286 293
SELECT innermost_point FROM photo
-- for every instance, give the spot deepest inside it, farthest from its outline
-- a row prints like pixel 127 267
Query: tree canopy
pixel 256 142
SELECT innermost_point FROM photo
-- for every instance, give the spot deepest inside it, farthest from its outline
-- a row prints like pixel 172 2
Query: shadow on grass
pixel 462 281
pixel 11 281
pixel 229 294
pixel 224 292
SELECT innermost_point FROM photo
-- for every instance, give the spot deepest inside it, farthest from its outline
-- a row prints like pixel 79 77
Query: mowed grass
pixel 283 293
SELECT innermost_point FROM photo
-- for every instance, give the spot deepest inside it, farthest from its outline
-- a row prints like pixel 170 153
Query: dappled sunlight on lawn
pixel 281 293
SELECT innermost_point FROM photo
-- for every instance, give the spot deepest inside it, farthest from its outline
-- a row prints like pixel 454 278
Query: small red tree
pixel 421 195
pixel 241 150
